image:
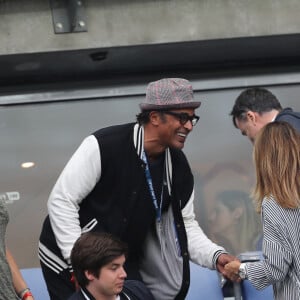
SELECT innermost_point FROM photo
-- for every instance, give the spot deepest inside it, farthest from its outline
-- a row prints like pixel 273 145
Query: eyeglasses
pixel 183 117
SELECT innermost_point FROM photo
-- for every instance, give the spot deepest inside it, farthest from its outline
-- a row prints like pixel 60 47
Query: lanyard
pixel 151 189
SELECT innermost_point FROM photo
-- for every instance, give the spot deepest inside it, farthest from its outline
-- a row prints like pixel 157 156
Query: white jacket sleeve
pixel 76 181
pixel 201 248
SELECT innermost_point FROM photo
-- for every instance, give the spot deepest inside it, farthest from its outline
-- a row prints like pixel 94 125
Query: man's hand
pixel 223 260
pixel 232 270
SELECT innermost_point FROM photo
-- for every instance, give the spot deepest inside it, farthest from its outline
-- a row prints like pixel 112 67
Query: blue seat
pixel 250 293
pixel 205 284
pixel 35 281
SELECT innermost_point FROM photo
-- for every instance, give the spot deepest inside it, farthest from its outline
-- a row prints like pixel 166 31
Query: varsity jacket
pixel 132 290
pixel 109 193
pixel 84 294
pixel 288 115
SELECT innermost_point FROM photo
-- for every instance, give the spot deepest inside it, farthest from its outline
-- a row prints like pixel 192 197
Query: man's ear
pixel 252 116
pixel 155 118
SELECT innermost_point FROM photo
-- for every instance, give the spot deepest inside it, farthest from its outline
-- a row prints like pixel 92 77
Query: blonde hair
pixel 277 162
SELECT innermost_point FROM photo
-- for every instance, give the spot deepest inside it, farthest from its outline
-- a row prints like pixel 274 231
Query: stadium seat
pixel 205 284
pixel 250 293
pixel 35 281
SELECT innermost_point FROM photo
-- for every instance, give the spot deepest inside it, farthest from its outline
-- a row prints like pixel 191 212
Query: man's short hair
pixel 256 99
pixel 143 117
pixel 92 251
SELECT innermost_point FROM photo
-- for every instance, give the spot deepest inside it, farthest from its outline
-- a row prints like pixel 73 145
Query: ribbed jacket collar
pixel 138 140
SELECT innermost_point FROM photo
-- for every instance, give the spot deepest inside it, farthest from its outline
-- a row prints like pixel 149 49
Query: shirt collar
pixel 138 140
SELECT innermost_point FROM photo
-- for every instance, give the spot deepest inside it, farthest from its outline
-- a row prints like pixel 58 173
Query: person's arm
pixel 76 181
pixel 202 250
pixel 277 255
pixel 20 286
pixel 273 267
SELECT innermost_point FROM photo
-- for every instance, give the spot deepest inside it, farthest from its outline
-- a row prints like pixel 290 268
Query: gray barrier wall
pixel 27 26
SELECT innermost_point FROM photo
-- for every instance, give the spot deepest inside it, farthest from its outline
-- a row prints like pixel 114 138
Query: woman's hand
pixel 232 270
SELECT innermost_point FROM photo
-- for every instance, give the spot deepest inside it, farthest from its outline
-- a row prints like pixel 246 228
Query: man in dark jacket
pixel 98 262
pixel 256 107
pixel 133 181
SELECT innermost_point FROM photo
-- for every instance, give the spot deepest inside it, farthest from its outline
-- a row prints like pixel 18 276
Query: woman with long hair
pixel 277 196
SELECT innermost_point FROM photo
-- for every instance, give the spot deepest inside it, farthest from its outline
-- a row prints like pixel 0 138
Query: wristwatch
pixel 243 271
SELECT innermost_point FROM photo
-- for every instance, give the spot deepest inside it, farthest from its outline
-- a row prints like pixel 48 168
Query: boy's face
pixel 110 281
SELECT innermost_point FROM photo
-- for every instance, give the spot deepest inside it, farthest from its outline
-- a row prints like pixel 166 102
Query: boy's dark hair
pixel 92 251
pixel 256 99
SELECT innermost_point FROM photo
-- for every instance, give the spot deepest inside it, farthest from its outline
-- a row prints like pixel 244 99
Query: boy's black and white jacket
pixel 84 294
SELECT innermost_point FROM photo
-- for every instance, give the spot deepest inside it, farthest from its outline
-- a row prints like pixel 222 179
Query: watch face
pixel 242 271
pixel 242 274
